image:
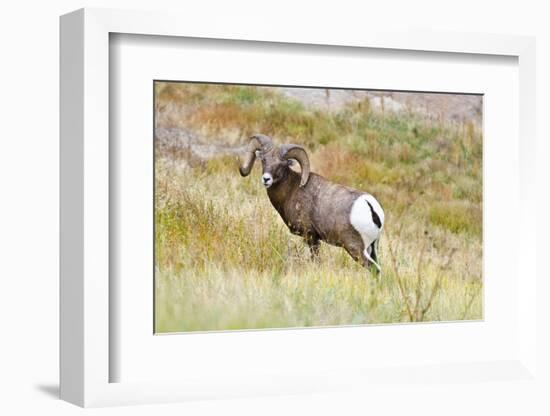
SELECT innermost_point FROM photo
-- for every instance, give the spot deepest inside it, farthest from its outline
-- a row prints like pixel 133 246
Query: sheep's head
pixel 276 162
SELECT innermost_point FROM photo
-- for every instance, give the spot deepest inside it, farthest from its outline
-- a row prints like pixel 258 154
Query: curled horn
pixel 293 151
pixel 257 142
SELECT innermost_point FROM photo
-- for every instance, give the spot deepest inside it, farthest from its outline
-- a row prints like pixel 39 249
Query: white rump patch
pixel 361 218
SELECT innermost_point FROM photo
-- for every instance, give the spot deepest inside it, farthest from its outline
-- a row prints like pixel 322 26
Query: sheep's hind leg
pixel 364 257
pixel 372 258
pixel 356 253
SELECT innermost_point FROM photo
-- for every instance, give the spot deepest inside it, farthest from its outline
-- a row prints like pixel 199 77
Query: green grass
pixel 457 217
pixel 225 260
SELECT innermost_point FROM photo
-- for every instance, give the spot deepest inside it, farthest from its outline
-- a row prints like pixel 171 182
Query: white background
pixel 139 60
pixel 29 207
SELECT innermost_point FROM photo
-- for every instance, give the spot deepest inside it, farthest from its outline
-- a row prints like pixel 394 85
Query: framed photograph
pixel 264 213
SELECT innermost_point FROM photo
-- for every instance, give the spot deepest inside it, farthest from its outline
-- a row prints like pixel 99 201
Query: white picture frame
pixel 85 355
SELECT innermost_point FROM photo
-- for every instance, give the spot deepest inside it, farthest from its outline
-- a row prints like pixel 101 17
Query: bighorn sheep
pixel 313 207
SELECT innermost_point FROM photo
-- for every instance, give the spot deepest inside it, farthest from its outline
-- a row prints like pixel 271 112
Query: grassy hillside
pixel 225 260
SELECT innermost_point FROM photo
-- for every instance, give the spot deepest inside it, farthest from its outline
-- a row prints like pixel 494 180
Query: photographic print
pixel 293 207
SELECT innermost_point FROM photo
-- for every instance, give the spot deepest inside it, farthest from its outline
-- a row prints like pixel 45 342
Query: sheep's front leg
pixel 314 244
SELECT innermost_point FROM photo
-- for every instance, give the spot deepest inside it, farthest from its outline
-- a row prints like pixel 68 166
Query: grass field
pixel 225 260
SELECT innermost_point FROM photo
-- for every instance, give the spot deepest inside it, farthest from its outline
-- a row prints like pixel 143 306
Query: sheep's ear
pixel 291 162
